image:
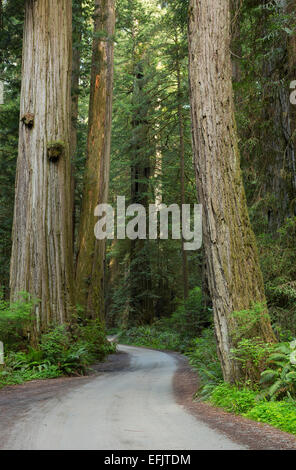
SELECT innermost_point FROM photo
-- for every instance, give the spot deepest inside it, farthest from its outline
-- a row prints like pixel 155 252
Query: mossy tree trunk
pixel 41 261
pixel 234 275
pixel 91 252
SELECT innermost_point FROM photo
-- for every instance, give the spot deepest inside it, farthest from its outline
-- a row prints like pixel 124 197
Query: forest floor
pixel 137 399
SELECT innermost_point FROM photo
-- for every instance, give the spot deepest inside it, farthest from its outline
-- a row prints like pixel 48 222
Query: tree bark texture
pixel 41 261
pixel 91 253
pixel 234 275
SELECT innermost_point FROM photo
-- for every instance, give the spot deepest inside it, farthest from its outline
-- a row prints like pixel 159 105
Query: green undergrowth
pixel 62 350
pixel 281 415
pixel 246 402
pixel 151 337
pixel 176 333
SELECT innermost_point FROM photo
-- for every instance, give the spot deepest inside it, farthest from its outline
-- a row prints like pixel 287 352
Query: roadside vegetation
pixel 68 349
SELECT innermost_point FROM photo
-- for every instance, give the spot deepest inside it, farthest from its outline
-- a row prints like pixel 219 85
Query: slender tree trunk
pixel 41 261
pixel 279 171
pixel 182 168
pixel 235 279
pixel 1 25
pixel 91 254
pixel 1 14
pixel 142 311
pixel 291 10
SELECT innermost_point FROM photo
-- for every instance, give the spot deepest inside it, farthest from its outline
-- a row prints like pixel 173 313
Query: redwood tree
pixel 41 261
pixel 234 275
pixel 91 252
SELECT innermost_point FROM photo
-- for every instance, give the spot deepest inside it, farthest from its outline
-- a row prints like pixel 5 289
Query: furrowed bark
pixel 234 275
pixel 41 261
pixel 91 254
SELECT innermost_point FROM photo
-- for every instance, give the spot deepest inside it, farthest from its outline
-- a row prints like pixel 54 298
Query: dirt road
pixel 129 405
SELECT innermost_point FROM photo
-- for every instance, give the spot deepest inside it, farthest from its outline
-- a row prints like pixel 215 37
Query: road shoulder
pixel 255 436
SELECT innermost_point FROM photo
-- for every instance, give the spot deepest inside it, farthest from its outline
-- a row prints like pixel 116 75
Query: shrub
pixel 20 361
pixel 151 337
pixel 18 377
pixel 93 334
pixel 282 415
pixel 191 317
pixel 232 399
pixel 55 344
pixel 246 322
pixel 203 357
pixel 63 350
pixel 16 320
pixel 252 354
pixel 21 367
pixel 279 380
pixel 73 349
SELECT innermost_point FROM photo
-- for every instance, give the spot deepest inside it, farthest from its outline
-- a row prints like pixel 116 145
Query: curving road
pixel 132 409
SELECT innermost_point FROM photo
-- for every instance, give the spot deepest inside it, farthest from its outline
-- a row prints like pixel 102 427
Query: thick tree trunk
pixel 41 261
pixel 235 279
pixel 91 254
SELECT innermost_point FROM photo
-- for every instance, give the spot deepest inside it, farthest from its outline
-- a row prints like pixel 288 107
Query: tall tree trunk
pixel 291 10
pixel 91 254
pixel 141 304
pixel 1 28
pixel 41 261
pixel 1 14
pixel 279 172
pixel 76 63
pixel 182 167
pixel 235 279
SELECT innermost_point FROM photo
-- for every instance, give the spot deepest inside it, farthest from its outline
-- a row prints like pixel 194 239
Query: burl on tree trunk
pixel 41 261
